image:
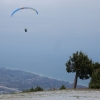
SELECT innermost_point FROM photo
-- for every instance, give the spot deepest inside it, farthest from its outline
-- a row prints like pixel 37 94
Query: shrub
pixel 95 80
pixel 62 87
pixel 25 90
pixel 31 90
pixel 38 88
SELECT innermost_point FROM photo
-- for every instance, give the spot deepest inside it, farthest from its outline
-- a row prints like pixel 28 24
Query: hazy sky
pixel 61 28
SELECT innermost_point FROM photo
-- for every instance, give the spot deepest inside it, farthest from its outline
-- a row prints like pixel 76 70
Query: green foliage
pixel 38 88
pixel 81 65
pixel 62 87
pixel 95 79
pixel 33 90
pixel 25 90
pixel 96 66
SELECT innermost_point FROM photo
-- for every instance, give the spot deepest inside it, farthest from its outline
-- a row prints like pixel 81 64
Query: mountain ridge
pixel 21 80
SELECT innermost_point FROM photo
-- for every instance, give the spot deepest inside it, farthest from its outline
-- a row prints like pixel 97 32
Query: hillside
pixel 21 80
pixel 68 94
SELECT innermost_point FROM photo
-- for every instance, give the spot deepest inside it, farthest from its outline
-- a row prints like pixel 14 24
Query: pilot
pixel 25 30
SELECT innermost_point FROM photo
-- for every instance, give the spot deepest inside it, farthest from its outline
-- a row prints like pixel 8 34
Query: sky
pixel 61 28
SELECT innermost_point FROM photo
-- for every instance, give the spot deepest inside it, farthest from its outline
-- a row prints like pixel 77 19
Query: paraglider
pixel 21 9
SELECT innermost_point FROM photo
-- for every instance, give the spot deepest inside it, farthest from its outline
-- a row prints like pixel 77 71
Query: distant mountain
pixel 4 89
pixel 16 80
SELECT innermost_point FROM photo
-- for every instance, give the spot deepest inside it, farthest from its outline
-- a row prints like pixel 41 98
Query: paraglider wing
pixel 23 8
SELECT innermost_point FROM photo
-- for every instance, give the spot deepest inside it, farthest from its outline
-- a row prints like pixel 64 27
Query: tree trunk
pixel 75 80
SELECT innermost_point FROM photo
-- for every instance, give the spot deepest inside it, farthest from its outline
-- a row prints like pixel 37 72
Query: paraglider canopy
pixel 23 8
